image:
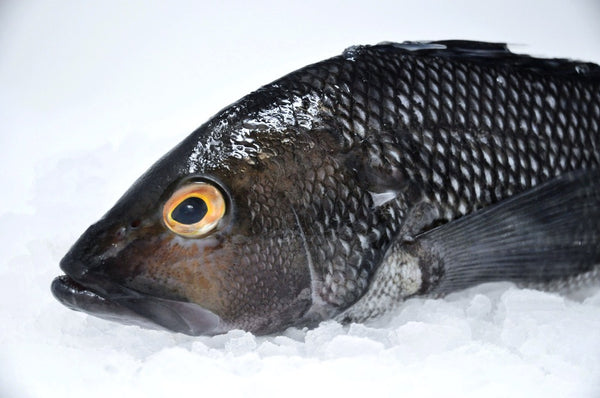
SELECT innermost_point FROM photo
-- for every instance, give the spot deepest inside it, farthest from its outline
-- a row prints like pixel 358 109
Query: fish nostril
pixel 135 223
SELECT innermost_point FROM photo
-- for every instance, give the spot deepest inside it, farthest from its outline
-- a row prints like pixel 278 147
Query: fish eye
pixel 194 209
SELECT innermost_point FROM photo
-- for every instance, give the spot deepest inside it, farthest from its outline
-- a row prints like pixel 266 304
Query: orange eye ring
pixel 194 210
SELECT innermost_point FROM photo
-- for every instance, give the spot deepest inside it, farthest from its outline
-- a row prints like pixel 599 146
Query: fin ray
pixel 549 232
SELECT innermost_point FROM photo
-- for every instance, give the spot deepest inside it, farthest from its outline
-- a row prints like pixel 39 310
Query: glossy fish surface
pixel 343 188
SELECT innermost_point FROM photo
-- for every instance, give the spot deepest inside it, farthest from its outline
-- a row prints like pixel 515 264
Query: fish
pixel 342 189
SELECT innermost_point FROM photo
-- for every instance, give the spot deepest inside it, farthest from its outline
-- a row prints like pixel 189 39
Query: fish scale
pixel 531 151
pixel 354 183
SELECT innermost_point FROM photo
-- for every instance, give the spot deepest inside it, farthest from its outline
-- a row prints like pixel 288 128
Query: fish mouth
pixel 117 303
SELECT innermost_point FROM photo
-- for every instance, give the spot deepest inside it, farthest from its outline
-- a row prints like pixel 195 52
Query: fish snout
pixel 88 251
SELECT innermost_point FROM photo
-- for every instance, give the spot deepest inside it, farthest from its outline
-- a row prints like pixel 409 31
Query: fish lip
pixel 135 308
pixel 75 296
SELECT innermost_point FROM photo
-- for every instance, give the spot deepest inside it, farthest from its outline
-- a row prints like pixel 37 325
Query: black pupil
pixel 190 211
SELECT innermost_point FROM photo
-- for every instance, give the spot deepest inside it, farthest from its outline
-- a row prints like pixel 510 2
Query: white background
pixel 92 93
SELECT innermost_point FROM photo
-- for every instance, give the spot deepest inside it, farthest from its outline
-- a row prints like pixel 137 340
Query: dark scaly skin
pixel 329 165
pixel 454 133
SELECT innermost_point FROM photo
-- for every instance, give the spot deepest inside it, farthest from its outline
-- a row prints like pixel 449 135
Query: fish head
pixel 208 239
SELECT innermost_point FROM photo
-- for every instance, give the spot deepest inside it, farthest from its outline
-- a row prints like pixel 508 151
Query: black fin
pixel 546 233
pixel 496 54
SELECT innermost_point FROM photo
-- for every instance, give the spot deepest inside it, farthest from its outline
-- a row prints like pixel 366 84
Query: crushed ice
pixel 492 339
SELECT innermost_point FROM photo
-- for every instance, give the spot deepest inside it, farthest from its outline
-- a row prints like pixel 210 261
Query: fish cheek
pixel 257 282
pixel 267 281
pixel 266 286
pixel 176 268
pixel 254 284
pixel 199 271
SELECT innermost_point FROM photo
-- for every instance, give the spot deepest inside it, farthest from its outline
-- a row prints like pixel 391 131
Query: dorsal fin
pixel 496 54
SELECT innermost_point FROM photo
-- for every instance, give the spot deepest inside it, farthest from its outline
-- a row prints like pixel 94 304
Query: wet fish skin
pixel 330 171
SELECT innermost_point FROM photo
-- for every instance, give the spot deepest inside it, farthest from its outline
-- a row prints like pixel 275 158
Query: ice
pixel 93 94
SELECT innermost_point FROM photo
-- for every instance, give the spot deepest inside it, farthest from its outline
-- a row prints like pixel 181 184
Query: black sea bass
pixel 345 187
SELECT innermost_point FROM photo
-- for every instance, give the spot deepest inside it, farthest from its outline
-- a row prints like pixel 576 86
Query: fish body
pixel 352 184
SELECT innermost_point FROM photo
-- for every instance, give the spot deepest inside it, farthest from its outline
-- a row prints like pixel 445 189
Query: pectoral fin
pixel 548 233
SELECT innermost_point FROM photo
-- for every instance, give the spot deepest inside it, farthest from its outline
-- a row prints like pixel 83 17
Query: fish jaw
pixel 96 282
pixel 79 298
pixel 137 309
